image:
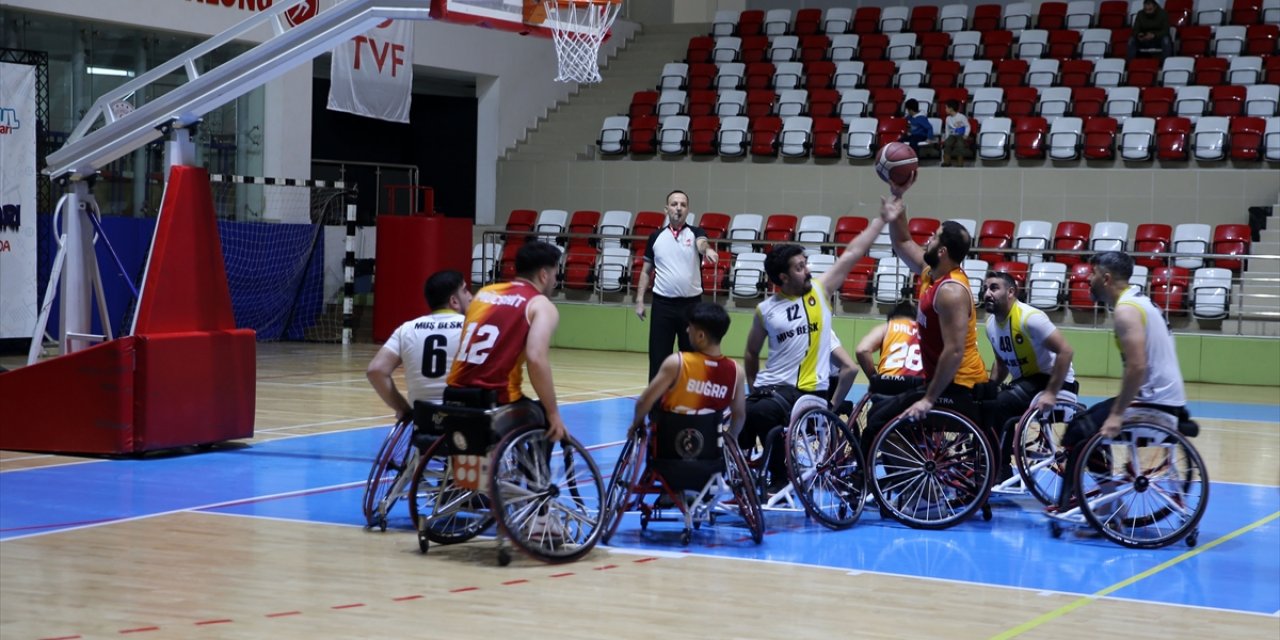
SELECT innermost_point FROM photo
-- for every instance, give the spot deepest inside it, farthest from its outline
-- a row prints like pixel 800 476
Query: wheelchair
pixel 932 473
pixel 483 464
pixel 1037 453
pixel 391 475
pixel 1146 488
pixel 688 462
pixel 825 464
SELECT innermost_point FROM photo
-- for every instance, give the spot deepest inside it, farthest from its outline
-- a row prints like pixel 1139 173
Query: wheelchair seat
pixel 472 419
pixel 688 448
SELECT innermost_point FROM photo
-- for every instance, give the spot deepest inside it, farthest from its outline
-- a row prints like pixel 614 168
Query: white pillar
pixel 488 146
pixel 286 126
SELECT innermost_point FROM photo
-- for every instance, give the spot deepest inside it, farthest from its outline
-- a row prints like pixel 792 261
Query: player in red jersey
pixel 508 325
pixel 700 381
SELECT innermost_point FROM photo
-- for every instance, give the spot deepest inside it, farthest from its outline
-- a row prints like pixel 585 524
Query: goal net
pixel 284 242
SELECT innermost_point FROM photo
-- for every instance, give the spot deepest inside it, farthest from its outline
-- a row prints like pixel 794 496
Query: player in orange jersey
pixel 699 381
pixel 508 325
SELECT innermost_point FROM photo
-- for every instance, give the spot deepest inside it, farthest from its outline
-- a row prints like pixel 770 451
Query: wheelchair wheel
pixel 824 462
pixel 385 484
pixel 1037 453
pixel 444 512
pixel 1148 486
pixel 618 488
pixel 547 501
pixel 933 473
pixel 741 481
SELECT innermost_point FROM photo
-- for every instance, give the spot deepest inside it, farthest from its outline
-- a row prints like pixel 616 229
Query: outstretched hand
pixel 891 208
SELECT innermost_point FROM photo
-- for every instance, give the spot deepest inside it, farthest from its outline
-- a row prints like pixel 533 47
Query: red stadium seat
pixel 847 228
pixel 1142 72
pixel 1029 137
pixel 702 102
pixel 808 22
pixel 872 46
pixel 764 135
pixel 943 74
pixel 1211 71
pixel 1063 44
pixel 583 222
pixel 1171 138
pixel 643 134
pixel 813 48
pixel 1120 41
pixel 1179 12
pixel 751 23
pixel 1113 14
pixel 759 76
pixel 1011 73
pixel 823 103
pixel 700 49
pixel 866 20
pixel 1071 236
pixel 995 234
pixel 890 130
pixel 1100 138
pixel 986 17
pixel 1152 238
pixel 878 74
pixel 924 18
pixel 779 227
pixel 643 103
pixel 1260 40
pixel 1078 296
pixel 1020 101
pixel 521 220
pixel 715 275
pixel 1052 15
pixel 1195 40
pixel 1271 70
pixel 1233 239
pixel 1246 12
pixel 857 284
pixel 885 102
pixel 1157 102
pixel 716 225
pixel 922 229
pixel 579 266
pixel 1016 269
pixel 702 135
pixel 1246 138
pixel 1168 289
pixel 701 76
pixel 934 45
pixel 760 102
pixel 959 94
pixel 1075 73
pixel 1088 102
pixel 1227 99
pixel 818 74
pixel 826 137
pixel 997 45
pixel 754 49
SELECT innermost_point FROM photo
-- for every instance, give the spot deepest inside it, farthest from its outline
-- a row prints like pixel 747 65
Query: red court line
pixel 562 575
pixel 407 598
pixel 649 559
pixel 606 567
pixel 219 621
pixel 514 582
pixel 283 614
pixel 64 638
pixel 347 606
pixel 139 629
pixel 463 589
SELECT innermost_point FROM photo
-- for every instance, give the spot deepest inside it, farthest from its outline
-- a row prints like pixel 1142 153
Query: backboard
pixel 526 17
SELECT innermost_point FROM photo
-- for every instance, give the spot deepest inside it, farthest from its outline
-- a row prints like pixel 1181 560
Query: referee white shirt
pixel 676 261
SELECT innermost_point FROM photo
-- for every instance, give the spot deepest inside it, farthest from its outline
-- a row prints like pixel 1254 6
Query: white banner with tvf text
pixel 372 74
pixel 17 200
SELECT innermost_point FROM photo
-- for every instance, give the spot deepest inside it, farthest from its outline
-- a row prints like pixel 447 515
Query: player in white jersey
pixel 1152 379
pixel 1030 352
pixel 425 346
pixel 796 322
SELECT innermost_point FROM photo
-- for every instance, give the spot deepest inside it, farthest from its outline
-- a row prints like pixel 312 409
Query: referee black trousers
pixel 668 319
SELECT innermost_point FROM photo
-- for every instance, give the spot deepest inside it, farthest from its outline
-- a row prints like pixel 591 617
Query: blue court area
pixel 319 478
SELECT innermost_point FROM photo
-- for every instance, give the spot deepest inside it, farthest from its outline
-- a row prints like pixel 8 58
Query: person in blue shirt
pixel 918 128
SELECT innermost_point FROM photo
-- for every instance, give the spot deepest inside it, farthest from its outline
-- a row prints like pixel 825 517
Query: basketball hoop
pixel 578 27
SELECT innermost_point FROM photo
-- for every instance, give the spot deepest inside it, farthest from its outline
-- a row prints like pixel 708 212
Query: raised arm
pixel 751 357
pixel 894 212
pixel 833 278
pixel 869 345
pixel 543 319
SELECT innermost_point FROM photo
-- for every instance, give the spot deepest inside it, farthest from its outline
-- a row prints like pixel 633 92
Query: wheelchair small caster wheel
pixel 1055 530
pixel 382 525
pixel 504 557
pixel 986 512
pixel 644 523
pixel 423 542
pixel 1192 539
pixel 686 536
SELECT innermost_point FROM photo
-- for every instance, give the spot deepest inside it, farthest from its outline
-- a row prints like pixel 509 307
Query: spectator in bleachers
pixel 955 143
pixel 1150 31
pixel 918 128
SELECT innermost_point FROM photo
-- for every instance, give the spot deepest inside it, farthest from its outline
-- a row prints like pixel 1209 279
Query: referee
pixel 673 253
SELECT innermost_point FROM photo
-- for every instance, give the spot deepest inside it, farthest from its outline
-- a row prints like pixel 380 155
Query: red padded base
pixel 134 394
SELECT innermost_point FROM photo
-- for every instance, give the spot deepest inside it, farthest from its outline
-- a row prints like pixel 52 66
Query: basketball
pixel 896 164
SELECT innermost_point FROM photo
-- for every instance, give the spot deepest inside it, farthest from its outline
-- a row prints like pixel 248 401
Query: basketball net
pixel 578 27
